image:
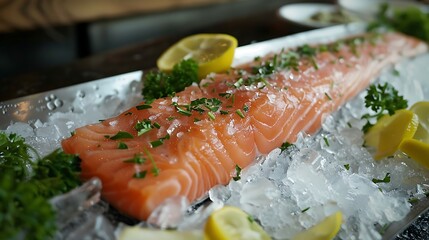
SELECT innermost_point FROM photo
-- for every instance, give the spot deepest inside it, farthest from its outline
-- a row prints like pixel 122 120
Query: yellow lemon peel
pixel 389 131
pixel 231 223
pixel 213 53
pixel 327 229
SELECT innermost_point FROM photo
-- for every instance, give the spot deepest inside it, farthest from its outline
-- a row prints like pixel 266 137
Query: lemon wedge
pixel 418 147
pixel 327 229
pixel 138 233
pixel 213 53
pixel 417 150
pixel 421 109
pixel 231 223
pixel 389 131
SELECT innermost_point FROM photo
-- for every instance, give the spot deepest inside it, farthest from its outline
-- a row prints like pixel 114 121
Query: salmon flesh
pixel 195 140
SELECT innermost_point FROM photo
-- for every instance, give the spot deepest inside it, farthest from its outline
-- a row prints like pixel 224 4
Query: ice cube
pixel 169 213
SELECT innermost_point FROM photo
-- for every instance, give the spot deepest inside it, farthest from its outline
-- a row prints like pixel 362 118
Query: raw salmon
pixel 186 144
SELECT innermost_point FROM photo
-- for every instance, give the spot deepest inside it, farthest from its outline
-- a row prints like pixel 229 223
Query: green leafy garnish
pixel 143 107
pixel 26 184
pixel 305 209
pixel 143 127
pixel 347 166
pixel 137 159
pixel 285 145
pixel 122 145
pixel 386 179
pixel 158 84
pixel 382 99
pixel 160 141
pixel 409 20
pixel 237 173
pixel 23 211
pixel 140 174
pixel 121 135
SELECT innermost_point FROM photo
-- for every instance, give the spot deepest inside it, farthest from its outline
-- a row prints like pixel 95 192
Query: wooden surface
pixel 256 27
pixel 30 14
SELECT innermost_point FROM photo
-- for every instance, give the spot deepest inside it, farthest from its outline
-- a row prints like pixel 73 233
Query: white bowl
pixel 367 9
pixel 302 13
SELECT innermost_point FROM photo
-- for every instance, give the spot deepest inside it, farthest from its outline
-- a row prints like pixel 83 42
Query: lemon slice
pixel 327 229
pixel 231 223
pixel 421 109
pixel 417 150
pixel 138 233
pixel 390 131
pixel 213 53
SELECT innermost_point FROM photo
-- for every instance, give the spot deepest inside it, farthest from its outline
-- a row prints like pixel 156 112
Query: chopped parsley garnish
pixel 285 145
pixel 137 159
pixel 160 141
pixel 326 141
pixel 305 210
pixel 200 105
pixel 382 99
pixel 155 170
pixel 122 145
pixel 121 135
pixel 145 126
pixel 143 107
pixel 327 96
pixel 140 175
pixel 237 173
pixel 386 179
pixel 239 113
pixel 347 166
pixel 157 84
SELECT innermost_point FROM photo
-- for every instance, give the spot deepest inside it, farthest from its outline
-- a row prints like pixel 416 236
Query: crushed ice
pixel 285 191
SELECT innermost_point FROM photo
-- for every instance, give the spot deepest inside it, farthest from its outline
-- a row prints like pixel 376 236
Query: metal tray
pixel 40 106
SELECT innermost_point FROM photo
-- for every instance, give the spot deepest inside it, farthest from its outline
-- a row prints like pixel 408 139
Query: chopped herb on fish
pixel 143 127
pixel 122 145
pixel 285 145
pixel 140 175
pixel 160 141
pixel 137 159
pixel 143 107
pixel 237 173
pixel 121 135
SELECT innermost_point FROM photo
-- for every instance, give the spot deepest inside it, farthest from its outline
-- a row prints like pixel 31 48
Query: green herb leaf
pixel 382 99
pixel 347 166
pixel 305 210
pixel 386 179
pixel 121 135
pixel 285 145
pixel 122 145
pixel 140 175
pixel 238 173
pixel 143 107
pixel 137 159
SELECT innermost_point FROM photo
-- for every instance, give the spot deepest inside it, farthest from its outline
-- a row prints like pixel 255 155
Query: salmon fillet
pixel 186 144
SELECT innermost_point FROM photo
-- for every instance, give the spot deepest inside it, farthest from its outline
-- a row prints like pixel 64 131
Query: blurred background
pixel 47 44
pixel 38 34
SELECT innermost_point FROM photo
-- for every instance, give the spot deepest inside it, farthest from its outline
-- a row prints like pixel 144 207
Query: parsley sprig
pixel 382 99
pixel 409 20
pixel 27 182
pixel 158 84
